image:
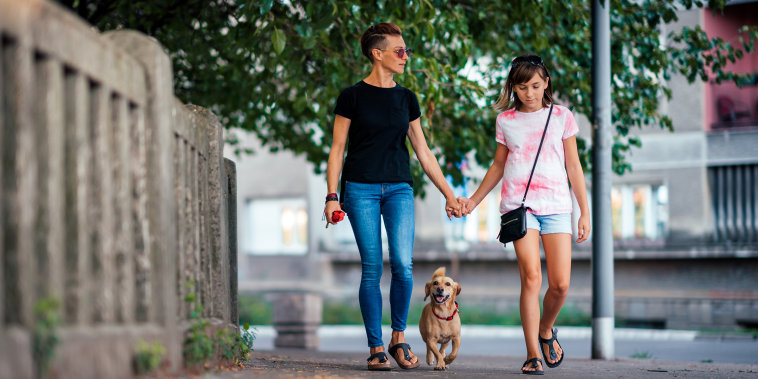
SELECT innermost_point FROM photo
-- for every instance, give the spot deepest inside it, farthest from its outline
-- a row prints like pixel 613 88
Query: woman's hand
pixel 583 228
pixel 330 207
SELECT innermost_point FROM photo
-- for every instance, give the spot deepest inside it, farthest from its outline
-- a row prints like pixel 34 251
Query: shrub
pixel 147 357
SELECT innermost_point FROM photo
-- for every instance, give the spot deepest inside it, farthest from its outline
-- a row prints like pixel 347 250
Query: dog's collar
pixel 449 317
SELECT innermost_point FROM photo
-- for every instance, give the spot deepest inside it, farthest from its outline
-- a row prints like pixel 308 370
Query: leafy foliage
pixel 248 336
pixel 199 346
pixel 45 336
pixel 147 357
pixel 233 346
pixel 276 67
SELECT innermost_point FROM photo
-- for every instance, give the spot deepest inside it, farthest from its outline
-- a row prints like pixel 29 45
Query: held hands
pixel 464 207
pixel 452 208
pixel 467 206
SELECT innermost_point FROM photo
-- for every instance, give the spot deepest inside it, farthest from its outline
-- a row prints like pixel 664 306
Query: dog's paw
pixel 429 358
pixel 449 359
pixel 440 368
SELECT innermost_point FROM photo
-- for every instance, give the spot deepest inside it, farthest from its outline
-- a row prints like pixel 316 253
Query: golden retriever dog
pixel 440 322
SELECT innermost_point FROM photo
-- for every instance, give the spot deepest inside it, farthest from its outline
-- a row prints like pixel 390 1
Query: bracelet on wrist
pixel 332 197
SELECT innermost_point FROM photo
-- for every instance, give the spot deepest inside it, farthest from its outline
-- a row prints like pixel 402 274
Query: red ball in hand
pixel 337 216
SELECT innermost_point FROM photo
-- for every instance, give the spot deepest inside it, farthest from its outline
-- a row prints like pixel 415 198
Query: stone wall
pixel 113 196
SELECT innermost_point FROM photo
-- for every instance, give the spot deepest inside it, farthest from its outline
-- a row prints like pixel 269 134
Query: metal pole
pixel 602 140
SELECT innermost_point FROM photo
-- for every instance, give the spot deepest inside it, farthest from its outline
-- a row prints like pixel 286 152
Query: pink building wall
pixel 726 25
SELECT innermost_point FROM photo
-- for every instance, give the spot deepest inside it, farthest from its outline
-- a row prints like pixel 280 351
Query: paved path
pixel 496 352
pixel 478 340
pixel 288 363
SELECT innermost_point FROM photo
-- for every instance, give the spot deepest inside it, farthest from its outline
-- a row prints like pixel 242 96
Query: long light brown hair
pixel 522 70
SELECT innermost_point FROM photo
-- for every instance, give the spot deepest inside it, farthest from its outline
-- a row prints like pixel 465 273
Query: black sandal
pixel 551 351
pixel 533 361
pixel 381 366
pixel 406 348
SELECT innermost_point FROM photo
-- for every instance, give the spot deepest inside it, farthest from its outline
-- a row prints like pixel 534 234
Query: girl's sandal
pixel 383 365
pixel 551 350
pixel 533 363
pixel 406 352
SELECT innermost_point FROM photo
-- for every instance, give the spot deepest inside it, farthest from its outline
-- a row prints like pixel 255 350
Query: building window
pixel 276 226
pixel 734 198
pixel 639 211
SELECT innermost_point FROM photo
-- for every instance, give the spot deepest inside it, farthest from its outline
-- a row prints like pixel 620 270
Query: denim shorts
pixel 549 224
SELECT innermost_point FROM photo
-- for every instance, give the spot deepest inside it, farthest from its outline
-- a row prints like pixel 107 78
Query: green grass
pixel 255 310
pixel 739 332
pixel 642 355
pixel 335 313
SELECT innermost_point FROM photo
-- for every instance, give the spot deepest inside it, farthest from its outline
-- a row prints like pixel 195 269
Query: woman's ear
pixel 377 54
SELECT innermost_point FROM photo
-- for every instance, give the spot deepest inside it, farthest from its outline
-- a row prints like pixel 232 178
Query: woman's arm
pixel 576 178
pixel 491 178
pixel 432 167
pixel 334 164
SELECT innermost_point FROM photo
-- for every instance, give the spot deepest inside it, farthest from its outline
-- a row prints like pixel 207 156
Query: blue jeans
pixel 366 204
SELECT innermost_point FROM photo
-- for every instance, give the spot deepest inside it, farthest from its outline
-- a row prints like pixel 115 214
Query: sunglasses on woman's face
pixel 400 52
pixel 534 60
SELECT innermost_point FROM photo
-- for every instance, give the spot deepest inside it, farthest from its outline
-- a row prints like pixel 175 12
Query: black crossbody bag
pixel 513 223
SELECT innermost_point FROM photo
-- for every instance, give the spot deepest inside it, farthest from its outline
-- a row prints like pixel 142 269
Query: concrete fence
pixel 113 196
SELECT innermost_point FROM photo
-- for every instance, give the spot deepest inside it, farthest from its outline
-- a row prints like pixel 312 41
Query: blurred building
pixel 684 220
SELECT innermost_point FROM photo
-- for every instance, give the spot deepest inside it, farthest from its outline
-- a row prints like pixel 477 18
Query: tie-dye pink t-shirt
pixel 520 133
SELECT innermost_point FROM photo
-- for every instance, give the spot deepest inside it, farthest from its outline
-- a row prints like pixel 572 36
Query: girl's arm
pixel 432 167
pixel 334 164
pixel 576 178
pixel 491 178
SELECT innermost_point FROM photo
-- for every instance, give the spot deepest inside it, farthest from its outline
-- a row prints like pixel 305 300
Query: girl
pixel 377 114
pixel 525 102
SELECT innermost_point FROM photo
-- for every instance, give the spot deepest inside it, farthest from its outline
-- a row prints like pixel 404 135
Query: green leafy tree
pixel 276 67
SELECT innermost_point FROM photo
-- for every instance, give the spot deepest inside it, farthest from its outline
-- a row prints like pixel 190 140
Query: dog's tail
pixel 439 272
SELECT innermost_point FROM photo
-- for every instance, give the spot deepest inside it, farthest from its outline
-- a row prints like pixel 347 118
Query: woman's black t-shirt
pixel 379 121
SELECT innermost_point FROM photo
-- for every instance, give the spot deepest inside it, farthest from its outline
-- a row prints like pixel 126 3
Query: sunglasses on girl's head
pixel 534 60
pixel 400 52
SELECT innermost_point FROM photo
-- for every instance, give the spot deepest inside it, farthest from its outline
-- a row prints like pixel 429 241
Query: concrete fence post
pixel 161 205
pixel 297 316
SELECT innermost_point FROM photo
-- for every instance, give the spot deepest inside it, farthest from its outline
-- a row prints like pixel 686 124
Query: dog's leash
pixel 449 317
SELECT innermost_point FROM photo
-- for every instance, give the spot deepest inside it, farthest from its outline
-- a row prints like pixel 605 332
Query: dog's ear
pixel 458 291
pixel 427 289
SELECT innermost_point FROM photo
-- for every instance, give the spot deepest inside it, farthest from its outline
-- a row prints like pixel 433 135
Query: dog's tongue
pixel 439 298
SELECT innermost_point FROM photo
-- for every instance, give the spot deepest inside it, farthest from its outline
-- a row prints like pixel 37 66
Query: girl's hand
pixel 583 228
pixel 330 207
pixel 467 206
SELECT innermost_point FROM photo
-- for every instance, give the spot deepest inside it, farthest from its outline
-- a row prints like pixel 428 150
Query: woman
pixel 375 116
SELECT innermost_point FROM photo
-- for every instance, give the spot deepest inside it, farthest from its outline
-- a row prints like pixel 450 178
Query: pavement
pixel 291 363
pixel 498 353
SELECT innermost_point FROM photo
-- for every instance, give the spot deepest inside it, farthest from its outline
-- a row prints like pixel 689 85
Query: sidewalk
pixel 290 363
